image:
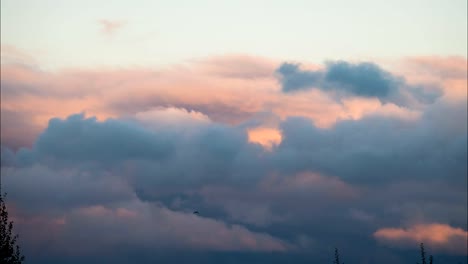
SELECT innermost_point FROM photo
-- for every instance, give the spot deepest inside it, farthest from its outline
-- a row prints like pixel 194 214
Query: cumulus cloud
pixel 79 138
pixel 440 237
pixel 268 170
pixel 230 97
pixel 373 149
pixel 363 79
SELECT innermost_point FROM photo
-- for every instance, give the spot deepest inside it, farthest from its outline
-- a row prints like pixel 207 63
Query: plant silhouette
pixel 423 255
pixel 337 257
pixel 9 250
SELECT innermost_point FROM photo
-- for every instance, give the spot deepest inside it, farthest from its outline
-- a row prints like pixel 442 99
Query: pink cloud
pixel 228 89
pixel 445 67
pixel 109 27
pixel 450 73
pixel 81 230
pixel 438 237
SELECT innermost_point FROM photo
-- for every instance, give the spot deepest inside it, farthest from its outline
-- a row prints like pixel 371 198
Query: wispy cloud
pixel 110 27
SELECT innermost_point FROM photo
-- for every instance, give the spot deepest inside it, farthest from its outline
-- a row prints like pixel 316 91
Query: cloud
pixel 84 139
pixel 239 66
pixel 268 170
pixel 373 149
pixel 109 27
pixel 134 224
pixel 266 137
pixel 16 130
pixel 440 237
pixel 172 118
pixel 227 89
pixel 62 188
pixel 295 79
pixel 363 79
pixel 437 66
pixel 278 199
pixel 144 175
pixel 12 55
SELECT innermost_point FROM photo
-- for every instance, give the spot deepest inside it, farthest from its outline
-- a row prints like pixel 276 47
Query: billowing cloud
pixel 78 138
pixel 227 89
pixel 439 237
pixel 137 224
pixel 122 162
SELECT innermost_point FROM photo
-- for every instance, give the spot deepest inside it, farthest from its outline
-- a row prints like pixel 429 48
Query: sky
pixel 292 127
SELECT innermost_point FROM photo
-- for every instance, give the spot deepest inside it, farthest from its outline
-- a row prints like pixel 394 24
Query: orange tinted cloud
pixel 439 237
pixel 450 73
pixel 228 89
pixel 266 137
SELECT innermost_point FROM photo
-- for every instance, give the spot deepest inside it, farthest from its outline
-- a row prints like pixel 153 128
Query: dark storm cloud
pixel 364 79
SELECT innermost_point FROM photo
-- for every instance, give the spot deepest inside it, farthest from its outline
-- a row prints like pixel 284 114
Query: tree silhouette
pixel 423 256
pixel 337 257
pixel 9 250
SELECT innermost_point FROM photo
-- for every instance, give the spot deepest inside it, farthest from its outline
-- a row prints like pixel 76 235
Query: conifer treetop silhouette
pixel 423 255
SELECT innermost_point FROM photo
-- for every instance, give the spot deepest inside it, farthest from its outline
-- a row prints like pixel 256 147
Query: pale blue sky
pixel 60 33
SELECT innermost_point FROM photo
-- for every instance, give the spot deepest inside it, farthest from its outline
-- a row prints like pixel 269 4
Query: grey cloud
pixel 84 139
pixel 394 166
pixel 362 79
pixel 40 188
pixel 294 78
pixel 378 150
pixel 7 157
